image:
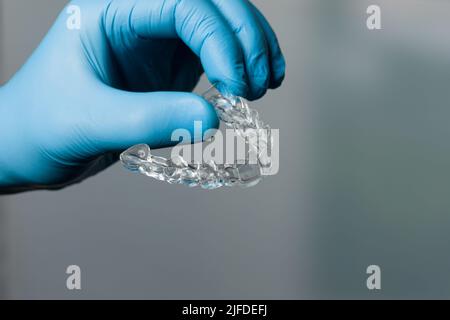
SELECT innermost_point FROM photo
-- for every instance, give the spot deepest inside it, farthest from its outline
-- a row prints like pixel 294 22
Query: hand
pixel 122 79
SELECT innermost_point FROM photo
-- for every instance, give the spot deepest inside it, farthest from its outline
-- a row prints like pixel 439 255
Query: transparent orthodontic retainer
pixel 235 113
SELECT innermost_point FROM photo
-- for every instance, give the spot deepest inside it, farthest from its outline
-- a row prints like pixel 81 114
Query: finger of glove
pixel 197 22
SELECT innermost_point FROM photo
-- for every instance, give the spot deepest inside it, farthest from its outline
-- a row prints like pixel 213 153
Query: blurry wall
pixel 381 130
pixel 364 177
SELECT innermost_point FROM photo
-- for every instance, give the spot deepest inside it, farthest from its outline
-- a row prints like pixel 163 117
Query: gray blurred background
pixel 365 177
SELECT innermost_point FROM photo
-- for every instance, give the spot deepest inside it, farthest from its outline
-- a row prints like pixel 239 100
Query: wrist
pixel 8 180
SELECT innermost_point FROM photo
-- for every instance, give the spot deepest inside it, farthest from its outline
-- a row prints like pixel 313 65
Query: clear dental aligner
pixel 235 113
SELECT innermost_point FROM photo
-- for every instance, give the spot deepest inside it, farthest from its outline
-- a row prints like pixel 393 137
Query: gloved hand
pixel 86 94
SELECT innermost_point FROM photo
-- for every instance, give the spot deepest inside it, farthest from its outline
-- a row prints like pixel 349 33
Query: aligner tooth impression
pixel 235 113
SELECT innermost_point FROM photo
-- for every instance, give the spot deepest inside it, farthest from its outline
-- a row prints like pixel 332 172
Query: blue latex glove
pixel 89 93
